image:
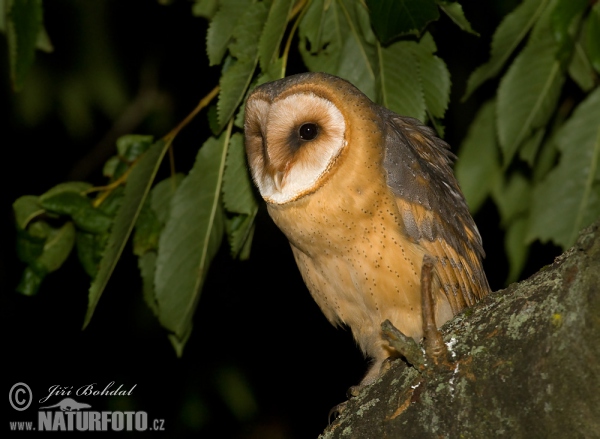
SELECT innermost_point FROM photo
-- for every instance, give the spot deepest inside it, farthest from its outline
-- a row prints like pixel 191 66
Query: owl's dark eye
pixel 308 131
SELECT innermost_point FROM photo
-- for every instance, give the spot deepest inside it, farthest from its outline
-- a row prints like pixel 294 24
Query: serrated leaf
pixel 455 11
pixel 332 40
pixel 580 69
pixel 244 253
pixel 221 28
pixel 26 208
pixel 147 231
pixel 78 187
pixel 512 196
pixel 234 83
pixel 358 59
pixel 562 16
pixel 321 36
pixel 272 34
pixel 568 199
pixel 509 34
pixel 528 94
pixel 592 33
pixel 238 196
pixel 238 229
pixel 246 35
pixel 399 80
pixel 30 245
pixel 79 208
pixel 110 166
pixel 89 251
pixel 530 147
pixel 147 267
pixel 478 164
pixel 138 185
pixel 23 26
pixel 57 247
pixel 394 18
pixel 131 146
pixel 516 248
pixel 30 282
pixel 434 77
pixel 191 238
pixel 205 8
pixel 162 194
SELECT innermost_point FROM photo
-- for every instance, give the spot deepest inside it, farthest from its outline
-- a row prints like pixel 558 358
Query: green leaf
pixel 528 94
pixel 30 245
pixel 239 229
pixel 89 251
pixel 26 208
pixel 162 194
pixel 512 197
pixel 516 248
pixel 234 83
pixel 592 32
pixel 455 11
pixel 562 16
pixel 57 247
pixel 399 80
pixel 205 8
pixel 245 39
pixel 237 77
pixel 332 40
pixel 79 208
pixel 321 36
pixel 147 231
pixel 191 238
pixel 238 196
pixel 78 187
pixel 30 282
pixel 131 146
pixel 580 69
pixel 568 199
pixel 23 26
pixel 138 185
pixel 358 59
pixel 238 199
pixel 434 77
pixel 221 28
pixel 530 148
pixel 272 34
pixel 509 34
pixel 394 18
pixel 147 266
pixel 478 164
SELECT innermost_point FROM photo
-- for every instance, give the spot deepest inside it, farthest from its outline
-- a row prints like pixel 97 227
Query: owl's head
pixel 295 132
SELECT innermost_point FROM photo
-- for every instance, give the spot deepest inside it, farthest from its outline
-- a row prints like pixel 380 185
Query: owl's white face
pixel 292 142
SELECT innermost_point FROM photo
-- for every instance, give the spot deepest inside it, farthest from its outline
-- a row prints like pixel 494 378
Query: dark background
pixel 259 339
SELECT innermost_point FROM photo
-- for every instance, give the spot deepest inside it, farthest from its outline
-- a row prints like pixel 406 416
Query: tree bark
pixel 526 365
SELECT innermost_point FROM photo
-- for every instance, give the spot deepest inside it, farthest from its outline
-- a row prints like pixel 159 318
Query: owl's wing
pixel 432 207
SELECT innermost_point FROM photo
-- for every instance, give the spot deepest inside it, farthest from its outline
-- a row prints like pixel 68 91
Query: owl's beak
pixel 279 179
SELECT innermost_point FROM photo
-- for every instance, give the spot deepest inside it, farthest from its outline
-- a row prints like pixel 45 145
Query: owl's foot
pixel 404 345
pixel 336 411
pixel 436 350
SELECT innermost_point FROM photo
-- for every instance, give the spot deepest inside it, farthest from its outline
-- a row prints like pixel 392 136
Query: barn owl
pixel 362 194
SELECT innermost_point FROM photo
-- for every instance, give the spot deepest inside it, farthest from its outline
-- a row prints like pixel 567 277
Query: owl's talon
pixel 336 411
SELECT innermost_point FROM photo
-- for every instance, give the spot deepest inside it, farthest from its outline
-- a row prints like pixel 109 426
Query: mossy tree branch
pixel 527 364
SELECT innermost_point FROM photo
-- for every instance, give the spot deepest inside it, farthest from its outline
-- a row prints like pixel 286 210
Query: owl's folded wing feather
pixel 433 209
